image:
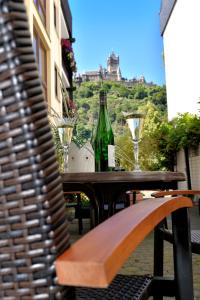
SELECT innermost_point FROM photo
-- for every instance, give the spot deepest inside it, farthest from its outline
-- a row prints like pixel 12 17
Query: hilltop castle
pixel 112 72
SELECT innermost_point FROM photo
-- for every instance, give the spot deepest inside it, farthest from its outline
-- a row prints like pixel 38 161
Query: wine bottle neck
pixel 103 99
pixel 103 104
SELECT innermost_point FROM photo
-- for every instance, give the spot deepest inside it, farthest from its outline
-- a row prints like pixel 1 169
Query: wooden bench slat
pixel 175 192
pixel 95 259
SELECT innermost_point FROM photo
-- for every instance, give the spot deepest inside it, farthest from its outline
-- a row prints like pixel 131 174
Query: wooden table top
pixel 114 177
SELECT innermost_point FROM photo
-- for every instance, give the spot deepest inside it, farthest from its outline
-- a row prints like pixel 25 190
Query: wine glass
pixel 65 130
pixel 135 122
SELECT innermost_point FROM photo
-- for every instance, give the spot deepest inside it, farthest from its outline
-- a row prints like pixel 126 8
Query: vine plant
pixel 182 132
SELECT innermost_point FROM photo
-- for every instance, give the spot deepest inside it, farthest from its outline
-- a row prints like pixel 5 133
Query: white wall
pixel 182 58
pixel 194 162
pixel 81 159
pixel 182 185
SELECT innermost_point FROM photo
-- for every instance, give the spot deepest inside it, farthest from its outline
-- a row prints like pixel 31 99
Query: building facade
pixel 180 28
pixel 51 24
pixel 180 25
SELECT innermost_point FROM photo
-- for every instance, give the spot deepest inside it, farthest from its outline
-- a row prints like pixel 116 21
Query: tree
pixel 141 92
pixel 150 156
pixel 160 98
pixel 85 92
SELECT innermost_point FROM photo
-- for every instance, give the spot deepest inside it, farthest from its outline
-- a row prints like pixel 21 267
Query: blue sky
pixel 130 28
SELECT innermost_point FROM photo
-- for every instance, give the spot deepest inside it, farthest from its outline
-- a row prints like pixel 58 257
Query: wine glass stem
pixel 66 158
pixel 136 155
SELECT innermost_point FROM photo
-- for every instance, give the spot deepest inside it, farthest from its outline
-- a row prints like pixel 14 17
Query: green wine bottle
pixel 103 140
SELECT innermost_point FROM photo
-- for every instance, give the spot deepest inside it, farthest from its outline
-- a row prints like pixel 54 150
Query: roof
pixel 165 13
pixel 92 73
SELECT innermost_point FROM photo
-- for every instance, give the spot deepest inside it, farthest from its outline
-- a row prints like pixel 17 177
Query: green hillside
pixel 151 100
pixel 120 99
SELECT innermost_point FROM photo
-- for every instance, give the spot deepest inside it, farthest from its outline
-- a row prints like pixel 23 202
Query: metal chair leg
pixel 158 254
pixel 182 255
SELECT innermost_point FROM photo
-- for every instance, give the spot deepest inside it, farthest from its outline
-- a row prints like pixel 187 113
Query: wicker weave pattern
pixel 195 237
pixel 33 226
pixel 123 287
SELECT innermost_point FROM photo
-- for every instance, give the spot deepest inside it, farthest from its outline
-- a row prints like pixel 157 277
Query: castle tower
pixel 113 67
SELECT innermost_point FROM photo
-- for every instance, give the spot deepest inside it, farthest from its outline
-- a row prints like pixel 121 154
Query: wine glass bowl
pixel 135 123
pixel 65 129
pixel 64 125
pixel 65 134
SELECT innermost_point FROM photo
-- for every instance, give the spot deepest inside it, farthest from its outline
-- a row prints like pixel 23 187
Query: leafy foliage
pixel 182 132
pixel 58 146
pixel 160 139
pixel 120 98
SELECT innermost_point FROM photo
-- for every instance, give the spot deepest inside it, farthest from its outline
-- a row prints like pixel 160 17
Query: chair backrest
pixel 33 225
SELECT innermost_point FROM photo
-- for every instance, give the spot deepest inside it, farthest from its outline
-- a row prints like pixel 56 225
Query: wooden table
pixel 106 187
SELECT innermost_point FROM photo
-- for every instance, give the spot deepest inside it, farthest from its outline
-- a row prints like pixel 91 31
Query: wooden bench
pixel 178 192
pixel 94 260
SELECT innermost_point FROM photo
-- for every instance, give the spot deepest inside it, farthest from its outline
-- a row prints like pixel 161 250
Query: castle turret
pixel 113 67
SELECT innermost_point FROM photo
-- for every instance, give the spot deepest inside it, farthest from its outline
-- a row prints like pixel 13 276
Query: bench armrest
pixel 95 259
pixel 175 193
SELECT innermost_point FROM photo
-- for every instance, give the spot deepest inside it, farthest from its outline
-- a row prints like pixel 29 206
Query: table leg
pixel 107 197
pixel 80 220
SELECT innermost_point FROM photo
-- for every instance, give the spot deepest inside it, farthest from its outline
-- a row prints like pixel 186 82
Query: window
pixel 41 7
pixel 41 57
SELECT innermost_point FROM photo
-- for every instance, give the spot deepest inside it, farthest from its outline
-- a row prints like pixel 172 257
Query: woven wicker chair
pixel 195 234
pixel 33 226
